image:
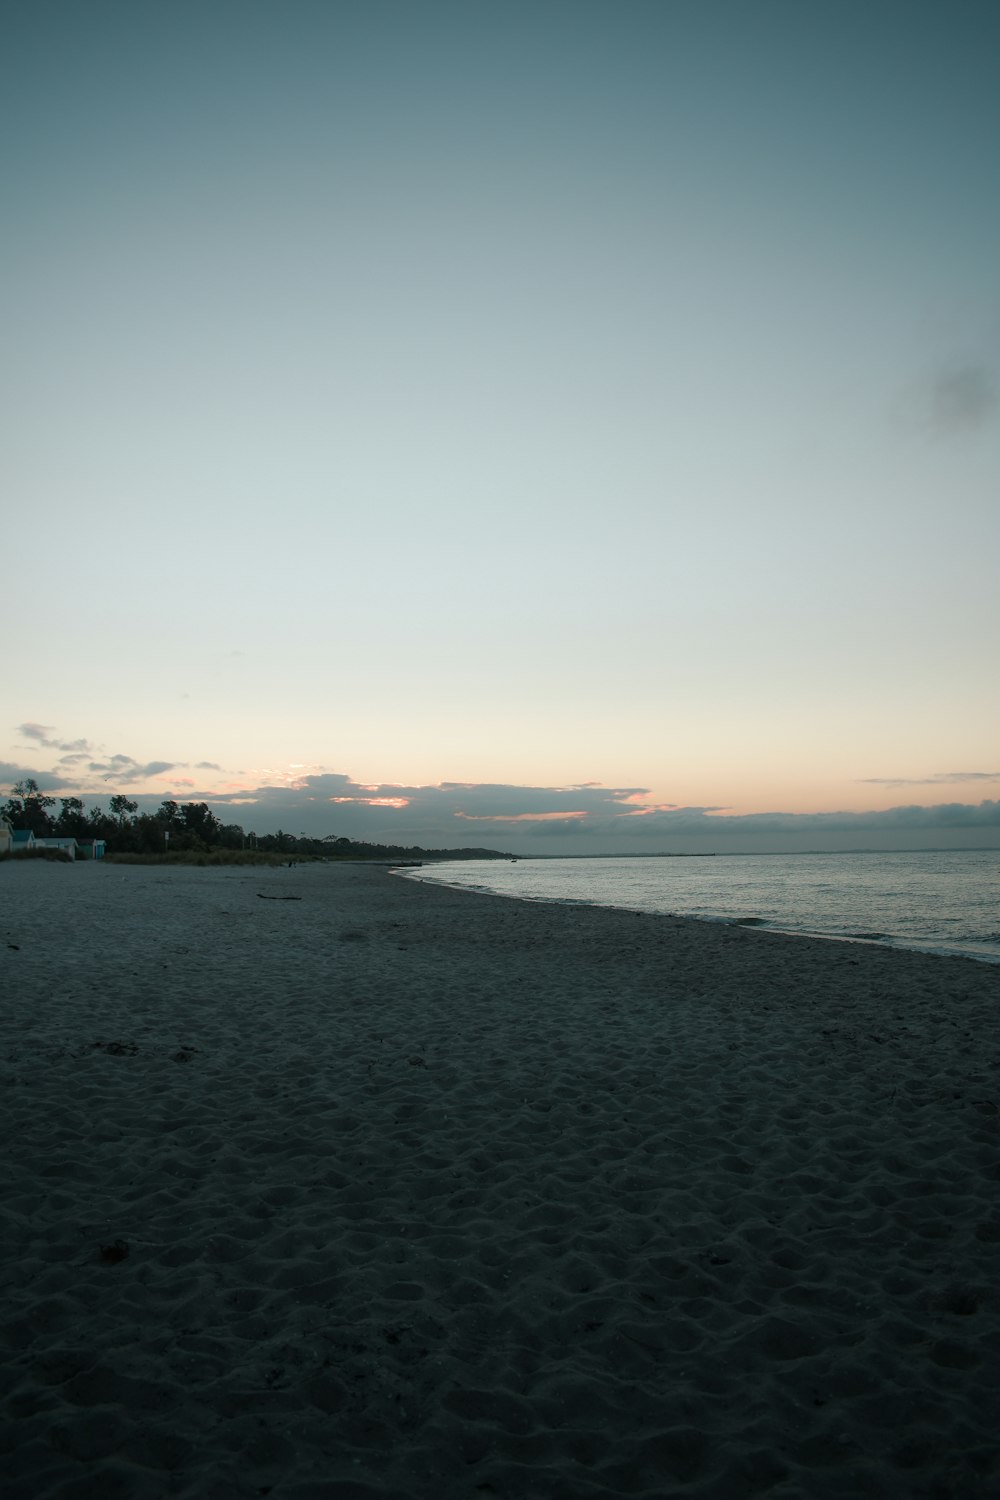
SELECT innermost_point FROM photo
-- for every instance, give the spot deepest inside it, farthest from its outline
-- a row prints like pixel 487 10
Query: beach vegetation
pixel 190 833
pixel 206 857
pixel 53 856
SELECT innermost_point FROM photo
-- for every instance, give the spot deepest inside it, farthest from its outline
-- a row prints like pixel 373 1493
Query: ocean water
pixel 947 902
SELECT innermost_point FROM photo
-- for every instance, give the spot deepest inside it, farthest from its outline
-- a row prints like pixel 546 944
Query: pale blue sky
pixel 506 394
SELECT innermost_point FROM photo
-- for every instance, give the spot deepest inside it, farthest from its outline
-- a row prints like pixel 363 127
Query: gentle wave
pixel 944 902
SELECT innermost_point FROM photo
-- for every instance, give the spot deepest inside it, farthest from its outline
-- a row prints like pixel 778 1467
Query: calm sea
pixel 938 902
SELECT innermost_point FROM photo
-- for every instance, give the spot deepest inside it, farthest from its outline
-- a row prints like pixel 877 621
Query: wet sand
pixel 397 1191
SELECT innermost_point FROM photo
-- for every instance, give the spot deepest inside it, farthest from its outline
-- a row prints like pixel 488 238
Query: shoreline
pixel 888 941
pixel 427 1196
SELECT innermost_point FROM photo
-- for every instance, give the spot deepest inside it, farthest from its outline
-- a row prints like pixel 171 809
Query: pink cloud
pixel 374 801
pixel 546 817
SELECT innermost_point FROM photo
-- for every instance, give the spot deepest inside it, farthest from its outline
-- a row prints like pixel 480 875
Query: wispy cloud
pixel 48 781
pixel 939 778
pixel 689 821
pixel 80 762
pixel 40 734
pixel 534 817
pixel 122 769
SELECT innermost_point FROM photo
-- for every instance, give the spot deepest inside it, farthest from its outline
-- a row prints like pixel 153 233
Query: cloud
pixel 39 734
pixel 460 813
pixel 47 781
pixel 486 800
pixel 939 778
pixel 207 765
pixel 123 769
pixel 344 801
pixel 562 819
pixel 81 766
pixel 586 818
pixel 944 815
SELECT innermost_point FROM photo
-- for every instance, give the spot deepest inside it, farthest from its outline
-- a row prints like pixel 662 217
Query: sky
pixel 564 426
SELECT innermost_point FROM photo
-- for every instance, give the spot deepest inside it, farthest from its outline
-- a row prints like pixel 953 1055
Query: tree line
pixel 187 827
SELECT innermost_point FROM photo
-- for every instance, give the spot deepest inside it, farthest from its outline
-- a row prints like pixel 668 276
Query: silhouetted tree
pixel 123 809
pixel 71 822
pixel 28 807
pixel 192 827
pixel 100 826
pixel 201 823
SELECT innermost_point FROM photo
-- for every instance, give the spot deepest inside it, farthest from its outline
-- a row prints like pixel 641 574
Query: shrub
pixel 209 857
pixel 54 856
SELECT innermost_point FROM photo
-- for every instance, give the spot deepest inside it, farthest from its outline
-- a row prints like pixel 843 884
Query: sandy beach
pixel 323 1184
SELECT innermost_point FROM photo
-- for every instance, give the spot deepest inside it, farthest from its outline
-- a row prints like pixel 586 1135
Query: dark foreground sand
pixel 428 1194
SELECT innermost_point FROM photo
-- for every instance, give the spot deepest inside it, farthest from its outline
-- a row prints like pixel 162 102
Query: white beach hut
pixel 68 846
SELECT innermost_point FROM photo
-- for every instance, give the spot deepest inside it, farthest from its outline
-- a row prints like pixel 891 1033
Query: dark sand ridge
pixel 419 1193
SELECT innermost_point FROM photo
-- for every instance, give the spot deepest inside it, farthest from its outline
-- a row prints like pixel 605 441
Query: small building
pixel 22 838
pixel 90 848
pixel 66 846
pixel 6 836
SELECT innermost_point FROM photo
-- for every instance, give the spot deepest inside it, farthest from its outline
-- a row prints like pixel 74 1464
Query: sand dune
pixel 397 1191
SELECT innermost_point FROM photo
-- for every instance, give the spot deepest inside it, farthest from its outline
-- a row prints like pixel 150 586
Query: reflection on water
pixel 944 902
